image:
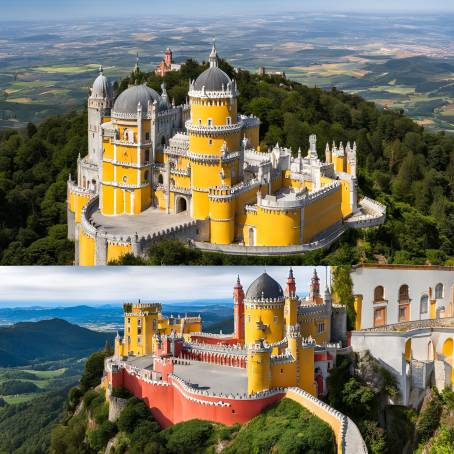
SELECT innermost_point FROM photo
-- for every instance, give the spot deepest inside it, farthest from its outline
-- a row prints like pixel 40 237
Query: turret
pixel 315 287
pixel 168 57
pixel 238 310
pixel 328 154
pixel 290 291
pixel 259 367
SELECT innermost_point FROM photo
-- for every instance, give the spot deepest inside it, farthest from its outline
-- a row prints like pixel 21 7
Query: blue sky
pixel 69 286
pixel 73 9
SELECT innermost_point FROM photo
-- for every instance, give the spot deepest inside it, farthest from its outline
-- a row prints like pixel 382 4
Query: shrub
pixel 121 393
pixel 99 437
pixel 135 411
pixel 94 369
pixel 188 437
pixel 429 418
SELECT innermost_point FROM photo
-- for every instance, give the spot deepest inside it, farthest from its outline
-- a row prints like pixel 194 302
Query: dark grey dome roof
pixel 212 79
pixel 127 102
pixel 264 287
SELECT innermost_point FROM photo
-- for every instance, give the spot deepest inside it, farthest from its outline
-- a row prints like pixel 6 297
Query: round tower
pixel 264 311
pixel 214 144
pixel 258 367
pixel 315 286
pixel 291 301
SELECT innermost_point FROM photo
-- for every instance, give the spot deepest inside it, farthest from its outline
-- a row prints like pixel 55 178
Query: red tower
pixel 238 310
pixel 315 287
pixel 168 57
pixel 290 291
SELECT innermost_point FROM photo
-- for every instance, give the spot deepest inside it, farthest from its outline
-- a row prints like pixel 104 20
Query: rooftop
pixel 213 378
pixel 150 221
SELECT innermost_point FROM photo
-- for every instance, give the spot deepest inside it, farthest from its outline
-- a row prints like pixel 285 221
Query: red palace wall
pixel 214 340
pixel 171 404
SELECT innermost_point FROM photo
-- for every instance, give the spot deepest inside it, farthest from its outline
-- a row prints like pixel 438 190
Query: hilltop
pixel 400 164
pixel 27 342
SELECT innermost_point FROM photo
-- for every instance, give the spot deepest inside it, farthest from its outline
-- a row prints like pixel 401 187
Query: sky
pixel 69 286
pixel 78 9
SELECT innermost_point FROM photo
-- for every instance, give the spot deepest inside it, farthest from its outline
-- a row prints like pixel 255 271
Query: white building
pixel 388 294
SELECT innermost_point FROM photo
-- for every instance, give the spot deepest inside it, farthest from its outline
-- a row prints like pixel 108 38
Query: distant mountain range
pixel 109 317
pixel 47 340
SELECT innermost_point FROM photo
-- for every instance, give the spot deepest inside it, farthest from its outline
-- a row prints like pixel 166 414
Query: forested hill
pixel 400 164
pixel 53 339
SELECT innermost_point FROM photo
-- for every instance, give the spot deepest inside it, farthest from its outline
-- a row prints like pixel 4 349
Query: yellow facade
pixel 264 321
pixel 86 250
pixel 259 370
pixel 116 250
pixel 358 304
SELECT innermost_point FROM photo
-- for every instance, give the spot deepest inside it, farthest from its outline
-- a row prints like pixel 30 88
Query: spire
pixel 290 291
pixel 213 56
pixel 136 67
pixel 238 282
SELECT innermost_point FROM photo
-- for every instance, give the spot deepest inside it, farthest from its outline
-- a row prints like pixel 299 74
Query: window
pixel 403 293
pixel 155 324
pixel 129 339
pixel 147 136
pixel 424 304
pixel 139 340
pixel 379 294
pixel 403 313
pixel 147 155
pixel 145 175
pixel 160 179
pixel 210 142
pixel 125 179
pixel 439 291
pixel 200 122
pixel 282 371
pixel 249 319
pixel 276 319
pixel 321 328
pixel 229 120
pixel 129 320
pixel 210 122
pixel 380 316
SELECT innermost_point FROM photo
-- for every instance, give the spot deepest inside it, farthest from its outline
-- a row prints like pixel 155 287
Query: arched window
pixel 403 294
pixel 379 293
pixel 163 140
pixel 145 175
pixel 160 179
pixel 424 304
pixel 439 291
pixel 147 155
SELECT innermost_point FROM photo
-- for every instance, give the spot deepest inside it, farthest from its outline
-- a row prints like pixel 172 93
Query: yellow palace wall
pixel 217 110
pixel 310 328
pixel 273 318
pixel 77 203
pixel 86 250
pixel 321 214
pixel 115 251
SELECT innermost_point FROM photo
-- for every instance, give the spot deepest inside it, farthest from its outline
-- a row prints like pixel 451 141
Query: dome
pixel 213 78
pixel 128 101
pixel 264 287
pixel 101 86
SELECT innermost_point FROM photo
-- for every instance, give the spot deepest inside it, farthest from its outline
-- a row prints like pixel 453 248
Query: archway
pixel 181 205
pixel 430 351
pixel 447 351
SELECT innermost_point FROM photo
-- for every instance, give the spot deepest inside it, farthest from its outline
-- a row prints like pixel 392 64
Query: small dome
pixel 264 287
pixel 128 101
pixel 102 88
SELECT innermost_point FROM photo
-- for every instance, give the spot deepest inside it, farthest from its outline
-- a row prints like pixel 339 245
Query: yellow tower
pixel 128 152
pixel 259 367
pixel 264 311
pixel 141 324
pixel 214 148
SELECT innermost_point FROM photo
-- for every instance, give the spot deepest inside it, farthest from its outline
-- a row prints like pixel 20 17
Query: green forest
pixel 401 164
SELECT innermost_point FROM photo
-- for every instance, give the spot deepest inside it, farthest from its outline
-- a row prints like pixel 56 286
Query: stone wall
pixel 116 406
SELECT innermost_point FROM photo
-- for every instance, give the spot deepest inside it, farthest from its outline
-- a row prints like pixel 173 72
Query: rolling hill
pixel 28 342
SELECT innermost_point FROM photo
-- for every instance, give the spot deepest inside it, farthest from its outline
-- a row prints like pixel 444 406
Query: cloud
pixel 75 285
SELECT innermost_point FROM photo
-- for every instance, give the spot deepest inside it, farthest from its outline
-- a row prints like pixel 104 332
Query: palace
pixel 167 64
pixel 282 346
pixel 196 172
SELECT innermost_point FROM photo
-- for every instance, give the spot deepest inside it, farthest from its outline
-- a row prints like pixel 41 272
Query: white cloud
pixel 27 286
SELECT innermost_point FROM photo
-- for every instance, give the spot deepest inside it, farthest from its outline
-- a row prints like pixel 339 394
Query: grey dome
pixel 102 88
pixel 264 287
pixel 213 79
pixel 128 101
